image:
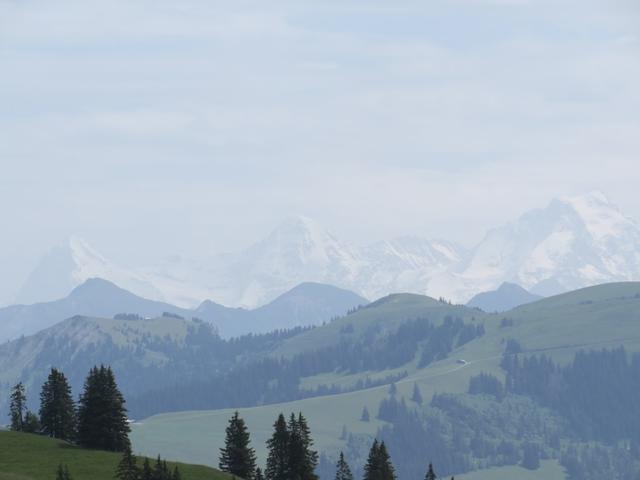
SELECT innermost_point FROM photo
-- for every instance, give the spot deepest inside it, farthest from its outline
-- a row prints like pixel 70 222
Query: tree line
pixel 97 421
pixel 277 380
pixel 291 455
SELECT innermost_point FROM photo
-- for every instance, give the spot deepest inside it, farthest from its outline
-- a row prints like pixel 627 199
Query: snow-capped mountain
pixel 572 243
pixel 69 265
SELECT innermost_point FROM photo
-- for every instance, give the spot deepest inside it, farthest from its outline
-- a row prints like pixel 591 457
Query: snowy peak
pixel 572 243
pixel 602 218
pixel 67 266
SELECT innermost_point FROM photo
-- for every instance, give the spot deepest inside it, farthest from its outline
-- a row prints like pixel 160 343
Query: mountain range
pixel 571 243
pixel 305 304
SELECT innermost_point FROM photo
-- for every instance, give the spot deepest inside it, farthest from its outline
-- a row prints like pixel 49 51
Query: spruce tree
pixel 393 389
pixel 17 408
pixel 310 456
pixel 258 475
pixel 102 416
pixel 160 470
pixel 57 410
pixel 365 417
pixel 417 396
pixel 146 473
pixel 430 473
pixel 278 446
pixel 176 474
pixel 32 423
pixel 371 468
pixel 295 454
pixel 379 466
pixel 343 472
pixel 237 457
pixel 127 468
pixel 387 472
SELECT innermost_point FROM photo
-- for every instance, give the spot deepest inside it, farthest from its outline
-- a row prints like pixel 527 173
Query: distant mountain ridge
pixel 306 304
pixel 572 243
pixel 505 297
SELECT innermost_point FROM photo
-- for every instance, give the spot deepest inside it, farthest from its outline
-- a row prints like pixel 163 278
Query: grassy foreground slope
pixel 34 457
pixel 598 317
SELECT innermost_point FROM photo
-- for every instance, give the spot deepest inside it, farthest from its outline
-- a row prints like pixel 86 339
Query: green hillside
pixel 34 457
pixel 593 318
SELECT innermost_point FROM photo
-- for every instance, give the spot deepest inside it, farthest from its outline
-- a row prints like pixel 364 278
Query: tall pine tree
pixel 343 472
pixel 237 457
pixel 102 416
pixel 57 410
pixel 18 408
pixel 278 446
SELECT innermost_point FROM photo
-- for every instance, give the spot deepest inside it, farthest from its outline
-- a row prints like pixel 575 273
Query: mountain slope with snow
pixel 573 242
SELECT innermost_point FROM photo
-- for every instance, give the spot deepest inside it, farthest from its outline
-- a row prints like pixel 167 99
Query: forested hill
pixel 401 343
pixel 306 304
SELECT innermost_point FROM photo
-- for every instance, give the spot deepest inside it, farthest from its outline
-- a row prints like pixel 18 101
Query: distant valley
pixel 375 358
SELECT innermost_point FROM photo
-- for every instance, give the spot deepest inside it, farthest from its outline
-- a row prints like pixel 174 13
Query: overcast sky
pixel 154 127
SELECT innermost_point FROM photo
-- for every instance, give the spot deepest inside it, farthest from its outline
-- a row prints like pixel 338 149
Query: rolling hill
pixel 306 304
pixel 505 297
pixel 594 318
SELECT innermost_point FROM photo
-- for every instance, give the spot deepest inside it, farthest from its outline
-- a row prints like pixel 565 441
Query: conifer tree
pixel 387 472
pixel 237 457
pixel 379 466
pixel 430 473
pixel 57 410
pixel 161 470
pixel 102 416
pixel 295 453
pixel 258 475
pixel 63 473
pixel 371 468
pixel 18 408
pixel 393 389
pixel 176 474
pixel 310 456
pixel 417 396
pixel 127 468
pixel 343 472
pixel 32 423
pixel 146 473
pixel 278 446
pixel 365 417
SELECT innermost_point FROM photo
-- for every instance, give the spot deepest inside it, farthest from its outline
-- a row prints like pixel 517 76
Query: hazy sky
pixel 153 127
